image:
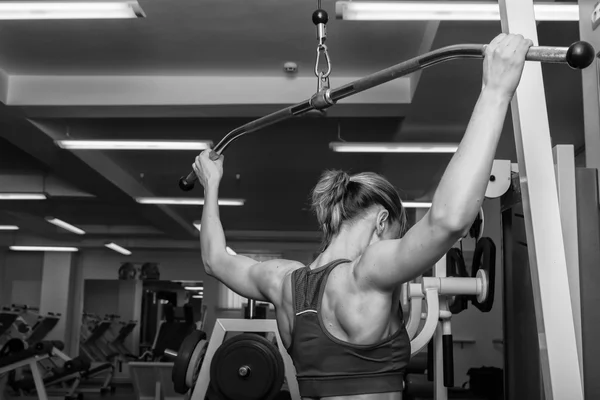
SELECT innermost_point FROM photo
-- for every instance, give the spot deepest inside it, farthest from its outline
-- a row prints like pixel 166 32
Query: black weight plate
pixel 184 356
pixel 262 358
pixel 455 267
pixel 484 258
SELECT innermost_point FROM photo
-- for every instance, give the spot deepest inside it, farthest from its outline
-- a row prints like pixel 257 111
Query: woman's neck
pixel 348 244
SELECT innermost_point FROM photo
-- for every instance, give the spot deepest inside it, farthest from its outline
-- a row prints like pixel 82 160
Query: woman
pixel 339 318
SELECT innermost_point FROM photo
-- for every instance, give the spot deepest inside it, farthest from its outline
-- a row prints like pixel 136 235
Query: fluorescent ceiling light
pixel 187 201
pixel 416 204
pixel 134 144
pixel 357 147
pixel 11 10
pixel 9 228
pixel 118 249
pixel 65 225
pixel 445 11
pixel 194 287
pixel 43 248
pixel 22 196
pixel 198 296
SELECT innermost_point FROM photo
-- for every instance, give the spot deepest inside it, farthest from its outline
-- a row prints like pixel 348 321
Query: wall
pixel 22 268
pixel 101 297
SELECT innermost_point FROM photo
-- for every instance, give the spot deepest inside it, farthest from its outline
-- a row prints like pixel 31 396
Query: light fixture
pixel 198 296
pixel 22 196
pixel 9 228
pixel 11 10
pixel 391 147
pixel 445 11
pixel 65 225
pixel 187 201
pixel 194 287
pixel 416 204
pixel 43 248
pixel 134 144
pixel 118 249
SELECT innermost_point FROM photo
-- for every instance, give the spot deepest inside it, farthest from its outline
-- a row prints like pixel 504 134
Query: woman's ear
pixel 382 217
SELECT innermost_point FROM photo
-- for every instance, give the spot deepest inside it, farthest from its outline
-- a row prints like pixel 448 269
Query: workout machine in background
pixel 578 195
pixel 35 367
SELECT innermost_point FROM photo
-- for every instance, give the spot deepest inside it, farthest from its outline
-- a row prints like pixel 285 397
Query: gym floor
pixel 123 392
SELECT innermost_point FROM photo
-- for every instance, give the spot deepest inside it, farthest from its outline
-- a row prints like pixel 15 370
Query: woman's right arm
pixel 245 276
pixel 461 191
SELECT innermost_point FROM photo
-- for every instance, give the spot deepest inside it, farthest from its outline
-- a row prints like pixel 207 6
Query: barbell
pixel 578 56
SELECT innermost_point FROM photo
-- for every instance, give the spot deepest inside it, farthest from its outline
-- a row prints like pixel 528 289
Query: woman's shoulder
pixel 284 266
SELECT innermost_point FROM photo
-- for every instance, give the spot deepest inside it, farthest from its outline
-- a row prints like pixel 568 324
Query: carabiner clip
pixel 322 48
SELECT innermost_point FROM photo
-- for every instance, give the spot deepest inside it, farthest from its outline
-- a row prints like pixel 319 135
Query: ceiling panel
pixel 189 37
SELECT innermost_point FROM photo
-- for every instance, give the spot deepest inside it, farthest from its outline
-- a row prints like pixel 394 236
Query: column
pixel 56 286
pixel 545 245
pixel 589 76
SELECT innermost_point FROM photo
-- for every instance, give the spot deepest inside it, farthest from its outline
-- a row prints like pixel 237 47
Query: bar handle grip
pixel 448 356
pixel 430 363
pixel 579 55
pixel 186 183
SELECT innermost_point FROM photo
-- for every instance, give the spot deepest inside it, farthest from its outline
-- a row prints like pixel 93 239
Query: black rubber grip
pixel 448 349
pixel 430 364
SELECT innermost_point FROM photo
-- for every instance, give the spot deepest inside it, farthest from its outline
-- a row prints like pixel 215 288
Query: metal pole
pixel 440 392
pixel 564 159
pixel 251 308
pixel 590 31
pixel 545 245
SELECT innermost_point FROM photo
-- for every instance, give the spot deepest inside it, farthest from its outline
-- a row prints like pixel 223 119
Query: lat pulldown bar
pixel 578 56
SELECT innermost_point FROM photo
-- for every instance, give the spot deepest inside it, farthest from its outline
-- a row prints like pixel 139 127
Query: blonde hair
pixel 339 197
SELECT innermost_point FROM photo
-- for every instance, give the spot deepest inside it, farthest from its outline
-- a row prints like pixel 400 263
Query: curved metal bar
pixel 328 97
pixel 433 314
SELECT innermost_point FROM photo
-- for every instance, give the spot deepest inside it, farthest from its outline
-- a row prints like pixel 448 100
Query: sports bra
pixel 327 366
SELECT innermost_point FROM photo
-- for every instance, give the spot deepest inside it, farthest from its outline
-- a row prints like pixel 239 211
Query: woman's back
pixel 330 324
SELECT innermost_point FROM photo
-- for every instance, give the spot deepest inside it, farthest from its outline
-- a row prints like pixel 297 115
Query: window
pixel 230 300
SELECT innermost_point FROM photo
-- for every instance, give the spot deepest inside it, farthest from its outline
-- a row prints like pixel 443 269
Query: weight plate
pixel 484 258
pixel 184 357
pixel 247 367
pixel 195 363
pixel 455 267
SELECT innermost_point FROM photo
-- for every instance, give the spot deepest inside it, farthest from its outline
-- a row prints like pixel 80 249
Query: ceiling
pixel 197 69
